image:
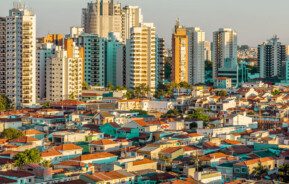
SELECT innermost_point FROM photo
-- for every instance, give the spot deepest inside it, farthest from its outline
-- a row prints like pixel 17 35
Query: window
pixel 244 170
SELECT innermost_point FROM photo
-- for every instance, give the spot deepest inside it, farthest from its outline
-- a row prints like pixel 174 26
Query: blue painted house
pixel 116 131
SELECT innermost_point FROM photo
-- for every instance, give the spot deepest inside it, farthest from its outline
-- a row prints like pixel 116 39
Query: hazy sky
pixel 254 20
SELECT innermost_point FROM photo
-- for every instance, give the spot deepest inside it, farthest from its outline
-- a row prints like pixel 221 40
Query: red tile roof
pixel 94 156
pixel 24 139
pixel 32 132
pixel 17 174
pixel 50 153
pixel 103 142
pixel 67 147
pixel 143 161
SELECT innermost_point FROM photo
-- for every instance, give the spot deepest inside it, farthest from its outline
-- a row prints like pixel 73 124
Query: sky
pixel 255 21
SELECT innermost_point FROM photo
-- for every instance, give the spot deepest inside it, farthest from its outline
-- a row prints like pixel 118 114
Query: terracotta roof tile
pixel 94 156
pixel 32 132
pixel 143 161
pixel 67 147
pixel 103 142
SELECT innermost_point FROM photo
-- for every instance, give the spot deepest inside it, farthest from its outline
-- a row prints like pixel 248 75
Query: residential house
pixel 140 165
pixel 103 117
pixel 120 176
pixel 245 168
pixel 96 158
pixel 19 176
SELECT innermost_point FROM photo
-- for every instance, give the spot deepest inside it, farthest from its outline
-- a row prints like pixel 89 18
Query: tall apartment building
pixel 224 50
pixel 141 57
pixel 208 51
pixel 21 56
pixel 160 60
pixel 196 55
pixel 45 51
pixel 56 39
pixel 75 32
pixel 180 52
pixel 131 17
pixel 2 55
pixel 271 54
pixel 101 17
pixel 114 61
pixel 63 76
pixel 94 55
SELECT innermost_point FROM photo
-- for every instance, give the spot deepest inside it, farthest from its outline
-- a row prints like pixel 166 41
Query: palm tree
pixel 284 173
pixel 260 171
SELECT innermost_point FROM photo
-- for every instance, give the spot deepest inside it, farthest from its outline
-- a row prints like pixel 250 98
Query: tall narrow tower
pixel 21 56
pixel 224 49
pixel 180 49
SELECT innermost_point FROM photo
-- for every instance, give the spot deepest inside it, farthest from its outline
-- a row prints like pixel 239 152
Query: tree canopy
pixel 198 114
pixel 5 103
pixel 11 133
pixel 27 157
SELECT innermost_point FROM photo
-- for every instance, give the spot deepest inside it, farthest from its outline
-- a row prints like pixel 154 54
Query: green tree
pixel 5 103
pixel 260 171
pixel 110 87
pixel 184 85
pixel 27 157
pixel 46 104
pixel 198 114
pixel 11 133
pixel 141 91
pixel 283 173
pixel 46 163
pixel 129 94
pixel 221 93
pixel 172 114
pixel 85 86
pixel 276 92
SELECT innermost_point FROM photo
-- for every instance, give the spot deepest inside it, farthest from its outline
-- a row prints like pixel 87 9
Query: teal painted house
pixel 115 131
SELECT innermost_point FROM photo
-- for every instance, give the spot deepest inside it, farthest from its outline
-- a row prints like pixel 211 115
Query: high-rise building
pixel 196 55
pixel 44 53
pixel 63 76
pixel 224 50
pixel 21 56
pixel 102 17
pixel 208 51
pixel 180 51
pixel 160 60
pixel 114 61
pixel 271 54
pixel 141 57
pixel 56 39
pixel 75 32
pixel 2 55
pixel 131 17
pixel 94 56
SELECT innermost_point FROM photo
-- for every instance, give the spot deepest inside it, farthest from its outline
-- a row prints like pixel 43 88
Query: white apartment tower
pixel 101 17
pixel 21 56
pixel 44 53
pixel 131 17
pixel 196 55
pixel 271 54
pixel 141 57
pixel 63 76
pixel 208 51
pixel 224 49
pixel 2 55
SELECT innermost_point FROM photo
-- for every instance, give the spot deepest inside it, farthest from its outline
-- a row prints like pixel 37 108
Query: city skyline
pixel 250 25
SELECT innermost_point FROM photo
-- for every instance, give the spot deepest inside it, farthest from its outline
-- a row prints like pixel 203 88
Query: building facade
pixel 21 56
pixel 114 61
pixel 131 17
pixel 224 50
pixel 141 57
pixel 196 55
pixel 160 60
pixel 271 54
pixel 2 55
pixel 102 17
pixel 94 56
pixel 180 52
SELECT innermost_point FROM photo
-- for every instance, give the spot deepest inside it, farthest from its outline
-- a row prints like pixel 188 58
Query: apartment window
pixel 244 170
pixel 237 170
